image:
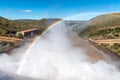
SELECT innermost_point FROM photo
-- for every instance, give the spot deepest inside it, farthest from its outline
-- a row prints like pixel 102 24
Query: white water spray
pixel 54 58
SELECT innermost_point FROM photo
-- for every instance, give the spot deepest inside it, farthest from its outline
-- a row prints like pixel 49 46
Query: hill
pixel 104 27
pixel 106 20
pixel 7 26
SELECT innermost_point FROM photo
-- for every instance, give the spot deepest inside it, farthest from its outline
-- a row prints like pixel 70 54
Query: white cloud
pixel 84 16
pixel 26 11
pixel 8 10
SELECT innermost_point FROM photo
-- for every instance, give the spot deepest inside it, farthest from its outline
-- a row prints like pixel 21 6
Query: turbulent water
pixel 58 55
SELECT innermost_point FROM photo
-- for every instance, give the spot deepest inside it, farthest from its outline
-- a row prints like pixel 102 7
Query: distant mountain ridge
pixel 112 19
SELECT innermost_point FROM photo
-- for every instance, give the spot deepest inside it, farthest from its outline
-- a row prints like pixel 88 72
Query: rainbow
pixel 21 63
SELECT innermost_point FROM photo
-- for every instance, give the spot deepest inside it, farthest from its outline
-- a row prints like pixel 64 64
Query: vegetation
pixel 6 44
pixel 20 36
pixel 8 27
pixel 106 20
pixel 103 27
pixel 115 47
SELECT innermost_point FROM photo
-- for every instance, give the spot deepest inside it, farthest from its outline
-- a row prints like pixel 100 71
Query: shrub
pixel 20 35
pixel 116 46
pixel 116 35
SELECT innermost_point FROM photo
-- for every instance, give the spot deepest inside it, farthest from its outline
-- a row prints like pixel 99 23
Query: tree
pixel 116 46
pixel 116 35
pixel 20 35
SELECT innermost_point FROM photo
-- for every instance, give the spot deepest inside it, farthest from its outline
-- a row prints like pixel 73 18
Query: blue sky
pixel 72 9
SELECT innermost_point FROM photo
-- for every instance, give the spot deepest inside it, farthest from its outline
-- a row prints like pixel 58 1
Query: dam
pixel 62 55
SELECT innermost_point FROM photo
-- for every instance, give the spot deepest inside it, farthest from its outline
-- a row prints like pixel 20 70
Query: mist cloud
pixel 53 57
pixel 26 11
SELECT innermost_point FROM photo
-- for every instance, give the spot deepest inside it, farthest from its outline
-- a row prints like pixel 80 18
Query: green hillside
pixel 104 27
pixel 7 26
pixel 105 20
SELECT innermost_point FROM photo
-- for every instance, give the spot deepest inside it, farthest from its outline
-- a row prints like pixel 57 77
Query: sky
pixel 68 9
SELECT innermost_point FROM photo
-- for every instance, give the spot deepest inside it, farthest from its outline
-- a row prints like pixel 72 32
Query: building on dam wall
pixel 28 33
